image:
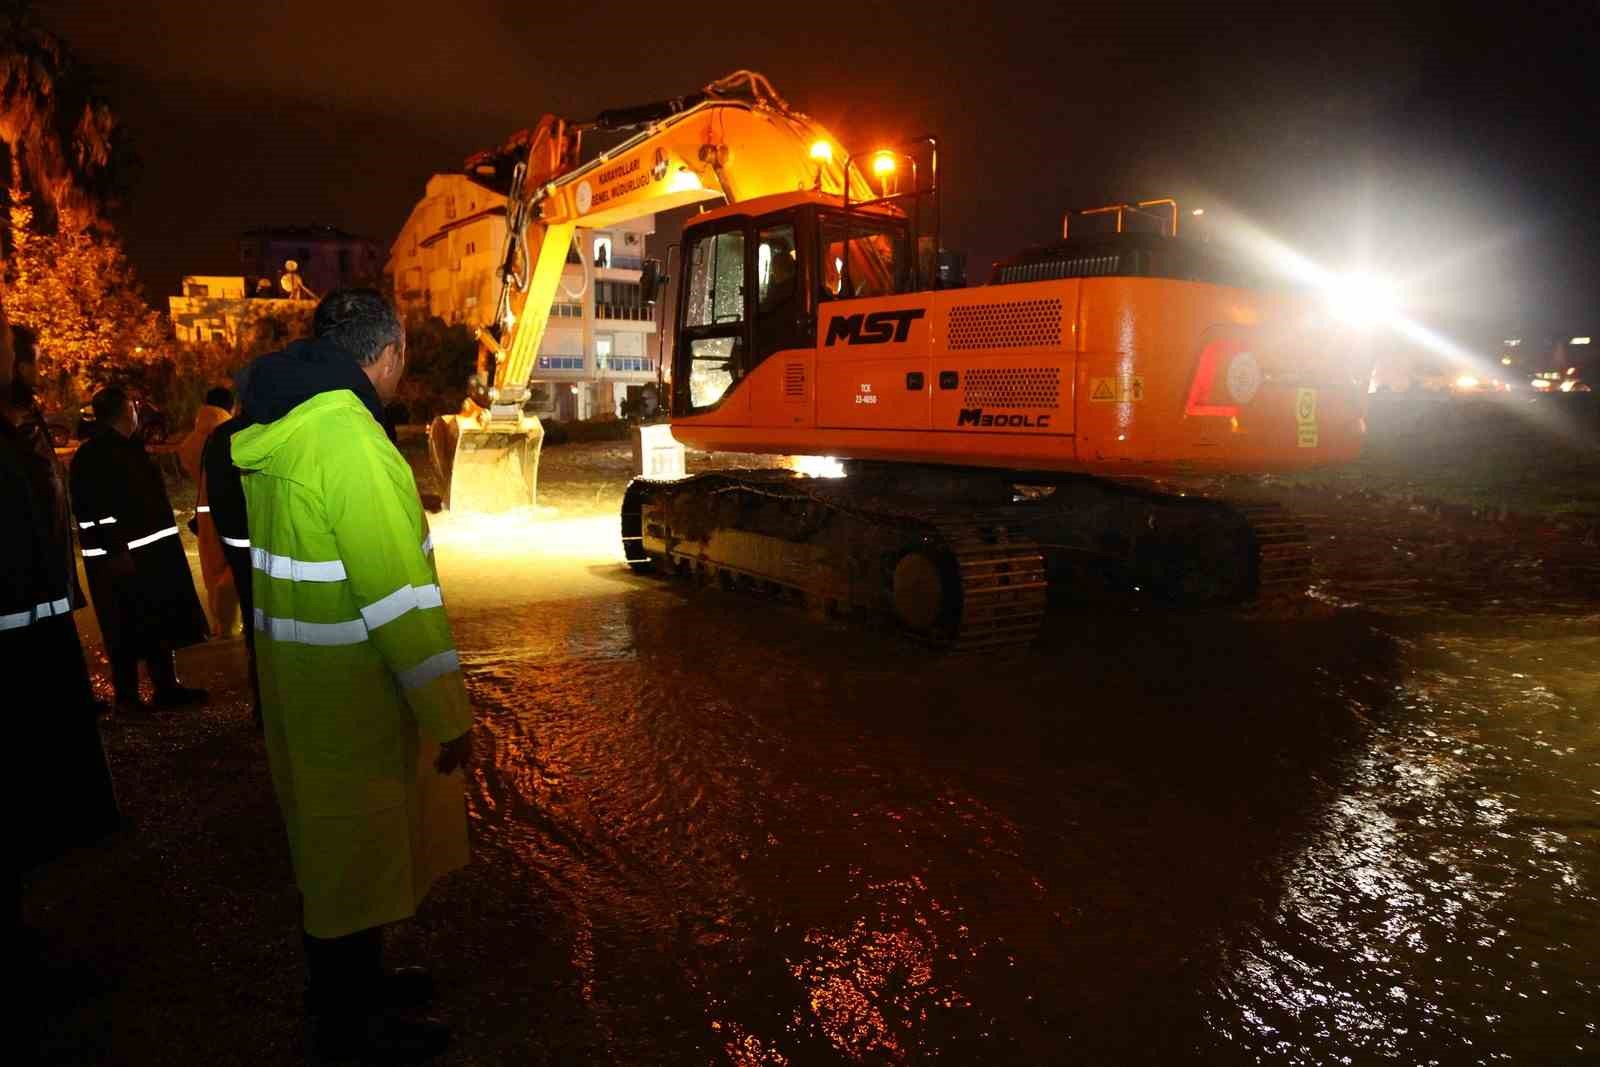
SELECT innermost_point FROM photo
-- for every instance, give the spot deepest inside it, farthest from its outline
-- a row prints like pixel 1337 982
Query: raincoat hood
pixel 279 382
pixel 315 424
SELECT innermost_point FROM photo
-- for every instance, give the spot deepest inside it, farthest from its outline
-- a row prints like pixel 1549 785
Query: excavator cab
pixel 753 281
pixel 755 274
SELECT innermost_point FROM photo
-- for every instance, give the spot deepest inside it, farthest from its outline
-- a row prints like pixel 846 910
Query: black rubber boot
pixel 125 684
pixel 169 692
pixel 353 1005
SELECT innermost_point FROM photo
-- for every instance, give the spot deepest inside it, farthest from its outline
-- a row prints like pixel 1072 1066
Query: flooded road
pixel 1367 832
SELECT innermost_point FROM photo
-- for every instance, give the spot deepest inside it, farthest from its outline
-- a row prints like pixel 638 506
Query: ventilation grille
pixel 794 381
pixel 1023 324
pixel 1013 387
pixel 1065 267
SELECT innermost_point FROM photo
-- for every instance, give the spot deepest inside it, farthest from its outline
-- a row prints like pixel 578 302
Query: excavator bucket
pixel 486 470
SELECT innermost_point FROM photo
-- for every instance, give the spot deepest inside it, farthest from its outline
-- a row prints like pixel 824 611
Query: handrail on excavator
pixel 893 193
pixel 1120 210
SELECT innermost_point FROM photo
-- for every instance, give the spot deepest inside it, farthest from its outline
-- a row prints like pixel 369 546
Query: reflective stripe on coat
pixel 360 681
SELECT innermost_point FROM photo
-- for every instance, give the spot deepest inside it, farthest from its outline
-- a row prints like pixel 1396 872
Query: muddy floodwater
pixel 1365 830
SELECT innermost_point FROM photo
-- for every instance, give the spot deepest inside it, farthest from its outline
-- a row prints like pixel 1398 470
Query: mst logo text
pixel 880 327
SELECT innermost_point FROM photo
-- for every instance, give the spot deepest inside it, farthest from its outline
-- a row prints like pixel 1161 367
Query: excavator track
pixel 961 582
pixel 1127 535
pixel 1002 584
pixel 1283 551
pixel 961 559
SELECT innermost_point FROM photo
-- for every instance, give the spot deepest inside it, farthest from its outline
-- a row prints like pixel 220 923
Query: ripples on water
pixel 1444 907
pixel 768 842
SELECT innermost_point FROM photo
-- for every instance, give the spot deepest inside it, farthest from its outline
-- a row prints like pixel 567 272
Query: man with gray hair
pixel 364 709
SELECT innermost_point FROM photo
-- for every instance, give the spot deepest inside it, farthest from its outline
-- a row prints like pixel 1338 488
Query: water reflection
pixel 771 842
pixel 1434 909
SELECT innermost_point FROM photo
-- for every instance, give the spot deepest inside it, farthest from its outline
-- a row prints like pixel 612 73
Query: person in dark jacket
pixel 225 496
pixel 48 476
pixel 138 573
pixel 63 795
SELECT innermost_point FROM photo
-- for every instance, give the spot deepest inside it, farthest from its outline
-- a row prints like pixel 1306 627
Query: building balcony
pixel 623 313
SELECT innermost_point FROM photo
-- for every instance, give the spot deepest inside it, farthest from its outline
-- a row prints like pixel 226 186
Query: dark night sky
pixel 1454 148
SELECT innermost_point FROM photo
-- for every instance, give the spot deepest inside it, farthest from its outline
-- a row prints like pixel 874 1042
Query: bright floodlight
pixel 817 466
pixel 883 163
pixel 1361 299
pixel 683 181
pixel 822 152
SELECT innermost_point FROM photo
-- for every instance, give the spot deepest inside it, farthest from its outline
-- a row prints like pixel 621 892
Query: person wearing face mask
pixel 139 577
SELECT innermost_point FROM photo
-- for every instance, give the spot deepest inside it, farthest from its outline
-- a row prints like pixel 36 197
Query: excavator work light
pixel 1361 300
pixel 684 180
pixel 883 164
pixel 822 152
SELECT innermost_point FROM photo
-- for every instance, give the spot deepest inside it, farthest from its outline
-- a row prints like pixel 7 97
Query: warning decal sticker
pixel 1305 417
pixel 1116 390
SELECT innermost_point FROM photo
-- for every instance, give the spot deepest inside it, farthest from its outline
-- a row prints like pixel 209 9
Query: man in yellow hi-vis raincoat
pixel 365 712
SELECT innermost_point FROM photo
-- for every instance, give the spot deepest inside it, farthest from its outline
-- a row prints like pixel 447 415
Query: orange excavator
pixel 995 440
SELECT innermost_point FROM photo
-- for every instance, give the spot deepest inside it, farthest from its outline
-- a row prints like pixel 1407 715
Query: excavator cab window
pixel 877 262
pixel 782 318
pixel 714 320
pixel 777 269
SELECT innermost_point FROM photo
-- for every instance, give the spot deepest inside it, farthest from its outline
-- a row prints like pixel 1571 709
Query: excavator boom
pixel 734 140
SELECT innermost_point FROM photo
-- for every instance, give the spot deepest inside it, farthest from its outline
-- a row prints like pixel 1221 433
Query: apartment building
pixel 601 338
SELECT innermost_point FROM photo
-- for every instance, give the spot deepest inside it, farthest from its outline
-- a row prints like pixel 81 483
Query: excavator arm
pixel 735 140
